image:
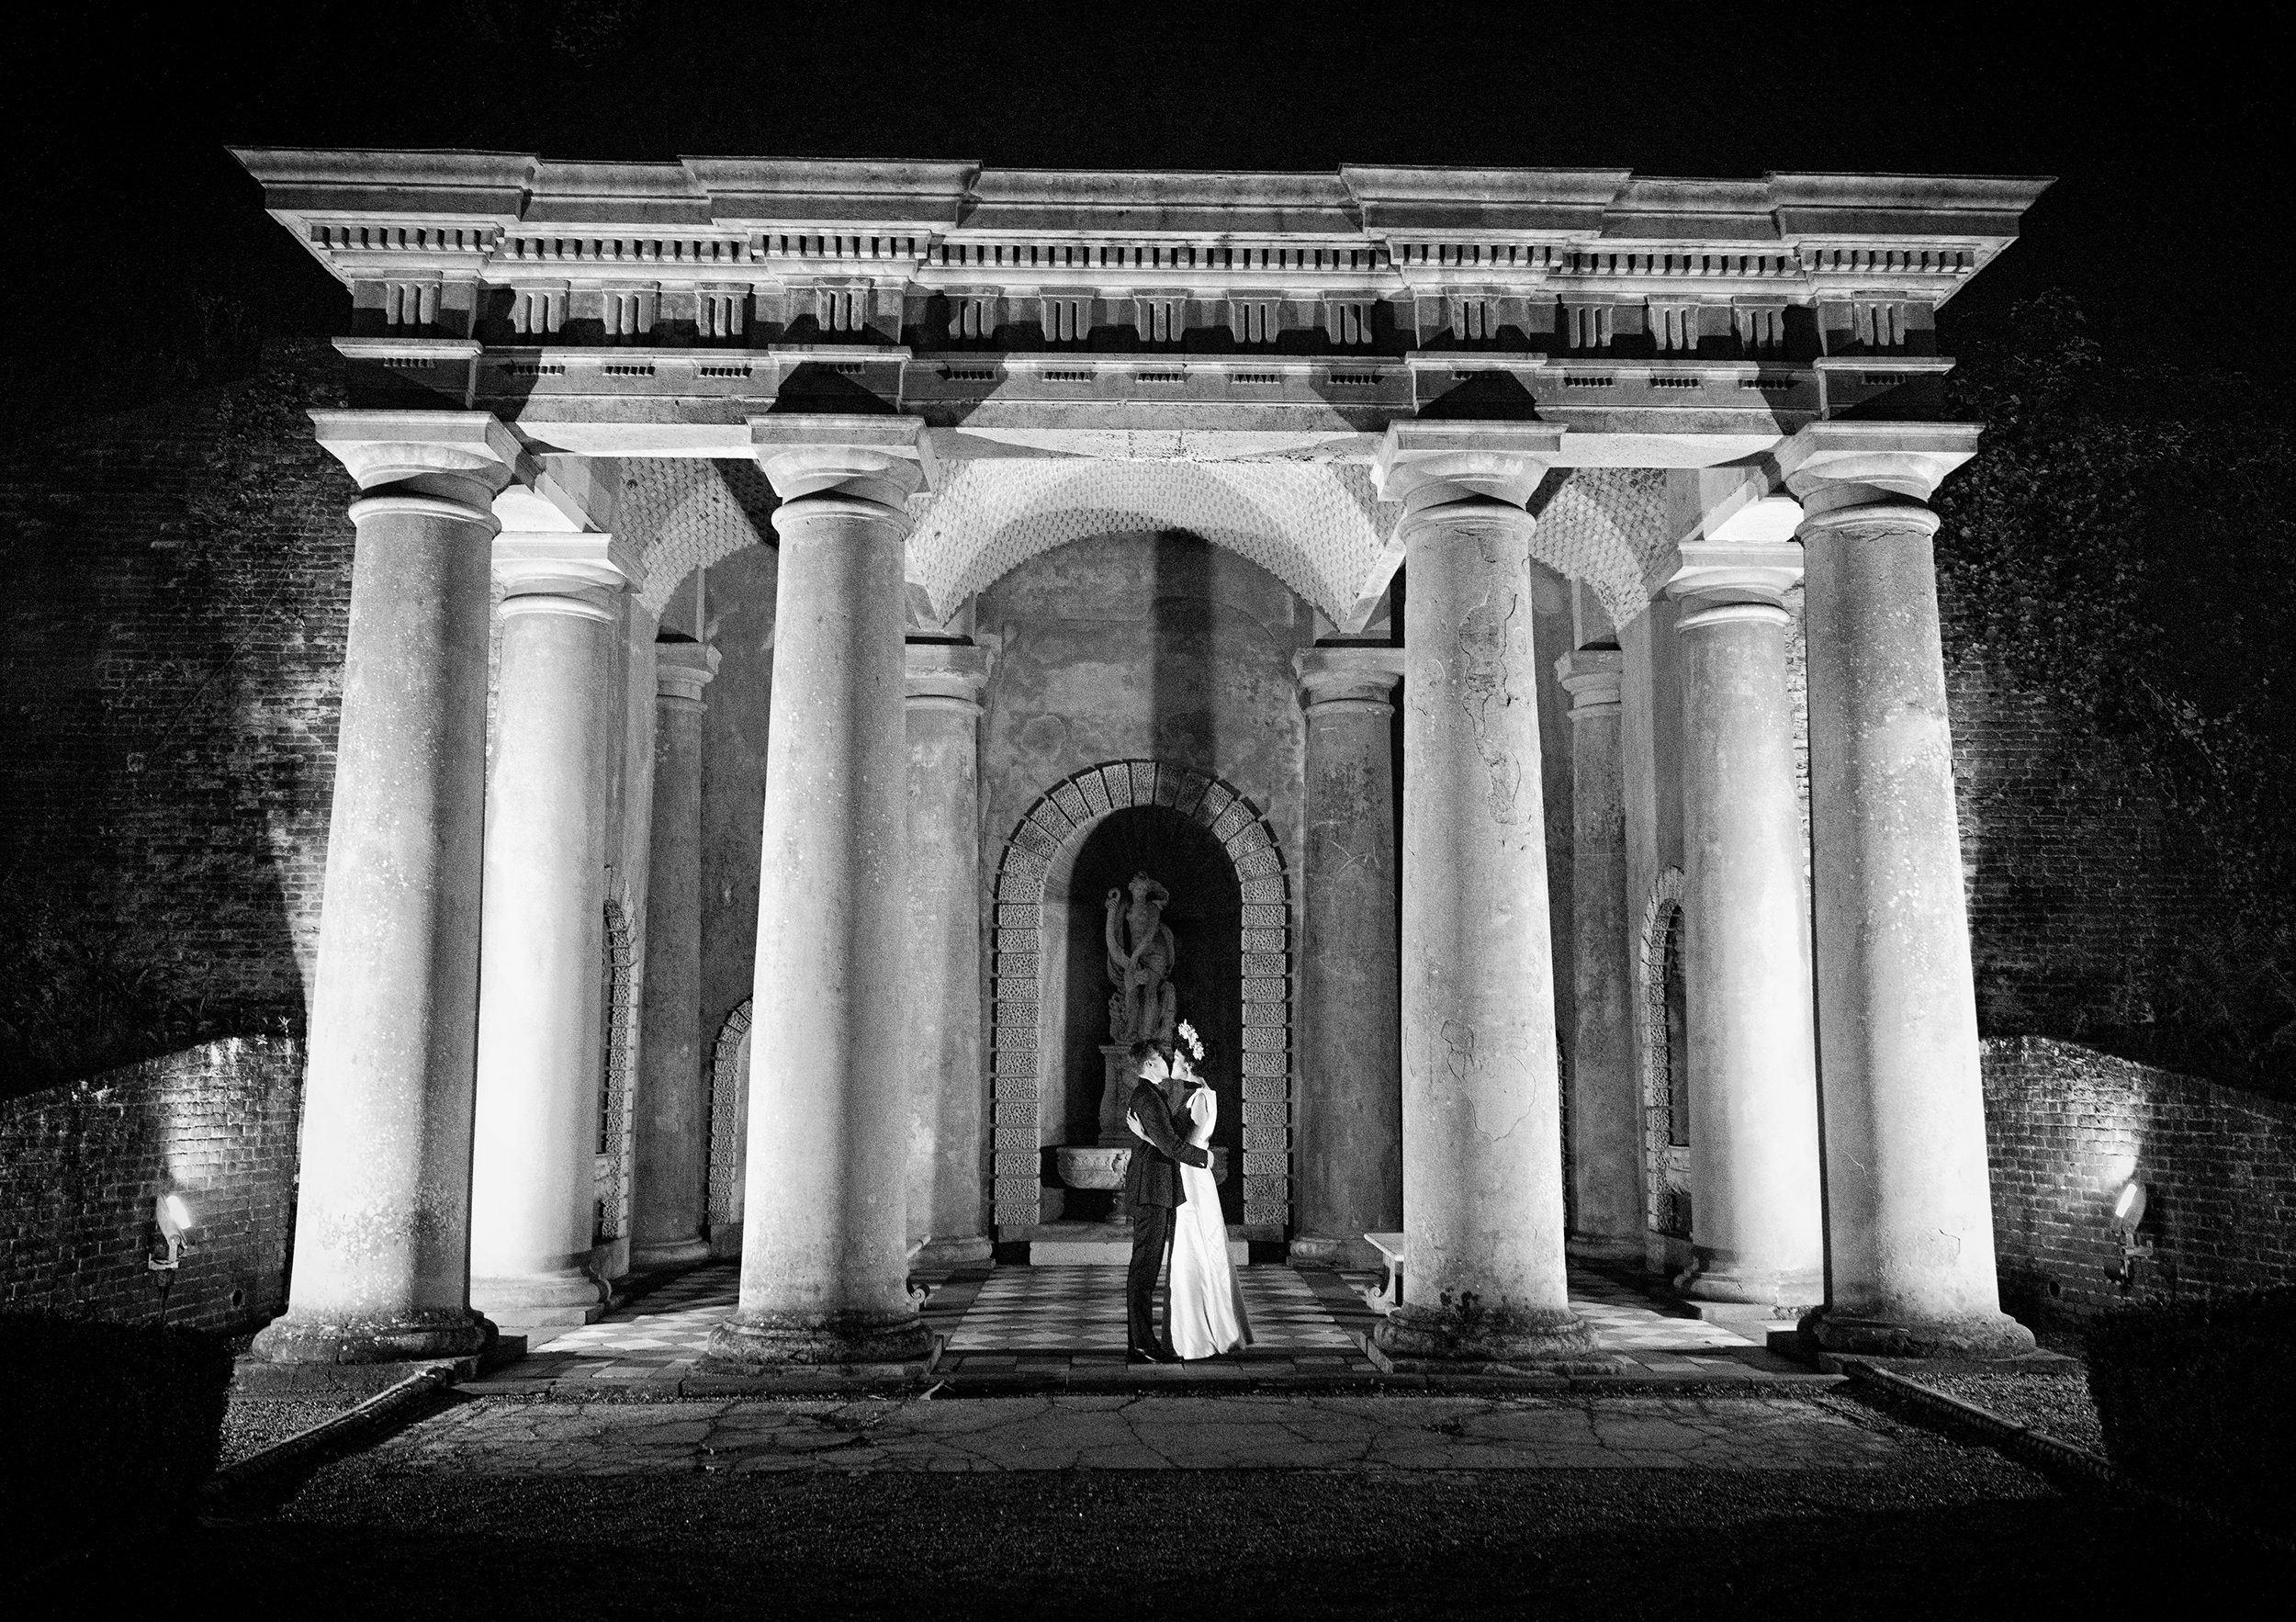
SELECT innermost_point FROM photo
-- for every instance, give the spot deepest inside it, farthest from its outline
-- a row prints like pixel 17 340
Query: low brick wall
pixel 2068 1125
pixel 81 1166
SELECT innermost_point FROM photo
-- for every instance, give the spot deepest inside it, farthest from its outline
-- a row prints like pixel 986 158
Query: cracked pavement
pixel 501 1436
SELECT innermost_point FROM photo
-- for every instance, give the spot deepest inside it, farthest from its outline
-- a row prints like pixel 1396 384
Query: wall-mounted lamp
pixel 2128 1216
pixel 174 1220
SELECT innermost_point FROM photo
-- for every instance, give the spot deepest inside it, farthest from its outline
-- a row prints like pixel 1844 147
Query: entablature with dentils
pixel 1359 294
pixel 1385 230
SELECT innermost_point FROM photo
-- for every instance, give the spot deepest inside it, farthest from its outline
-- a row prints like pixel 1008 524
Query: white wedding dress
pixel 1207 1314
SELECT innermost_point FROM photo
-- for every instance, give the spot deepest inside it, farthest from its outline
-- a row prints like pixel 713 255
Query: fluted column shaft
pixel 1351 1101
pixel 1908 1202
pixel 1484 1275
pixel 669 1148
pixel 1605 1095
pixel 1759 1233
pixel 948 1086
pixel 541 988
pixel 822 1265
pixel 383 1202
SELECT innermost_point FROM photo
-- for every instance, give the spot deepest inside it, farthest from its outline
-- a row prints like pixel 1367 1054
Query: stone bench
pixel 1390 1294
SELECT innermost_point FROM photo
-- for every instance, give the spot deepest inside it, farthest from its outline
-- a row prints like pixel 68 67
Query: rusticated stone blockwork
pixel 2067 1126
pixel 87 1163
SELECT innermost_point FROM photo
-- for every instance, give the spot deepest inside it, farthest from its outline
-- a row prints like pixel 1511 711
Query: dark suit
pixel 1152 1190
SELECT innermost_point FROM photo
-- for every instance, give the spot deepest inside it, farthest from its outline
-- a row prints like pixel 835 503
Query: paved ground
pixel 497 1436
pixel 1613 1507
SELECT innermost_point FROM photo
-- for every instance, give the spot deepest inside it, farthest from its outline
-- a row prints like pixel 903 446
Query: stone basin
pixel 1100 1165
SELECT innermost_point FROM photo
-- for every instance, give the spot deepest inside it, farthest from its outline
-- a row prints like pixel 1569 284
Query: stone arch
pixel 684 514
pixel 1065 814
pixel 729 1123
pixel 1315 526
pixel 618 1011
pixel 1666 1163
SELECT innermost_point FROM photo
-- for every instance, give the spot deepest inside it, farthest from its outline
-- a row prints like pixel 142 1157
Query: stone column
pixel 1605 1095
pixel 823 1274
pixel 948 1087
pixel 1909 1217
pixel 540 982
pixel 671 1132
pixel 1351 1098
pixel 1756 1207
pixel 382 1222
pixel 1483 1274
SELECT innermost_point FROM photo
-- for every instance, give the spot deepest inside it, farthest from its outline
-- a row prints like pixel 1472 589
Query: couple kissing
pixel 1174 1205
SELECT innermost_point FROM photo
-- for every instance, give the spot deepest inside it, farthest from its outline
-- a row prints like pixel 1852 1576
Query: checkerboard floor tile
pixel 1081 1308
pixel 1031 1314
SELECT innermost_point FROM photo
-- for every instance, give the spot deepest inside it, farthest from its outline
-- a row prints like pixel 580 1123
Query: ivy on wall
pixel 2122 546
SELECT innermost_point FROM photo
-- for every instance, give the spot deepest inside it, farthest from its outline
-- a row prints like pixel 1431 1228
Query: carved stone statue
pixel 1140 955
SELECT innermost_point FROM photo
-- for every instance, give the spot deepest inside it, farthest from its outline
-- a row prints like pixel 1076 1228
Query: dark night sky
pixel 2170 140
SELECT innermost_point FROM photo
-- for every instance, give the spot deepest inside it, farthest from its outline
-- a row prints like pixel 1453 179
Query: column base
pixel 671 1252
pixel 1980 1335
pixel 567 1297
pixel 1336 1251
pixel 1751 1286
pixel 1595 1248
pixel 952 1252
pixel 754 1343
pixel 405 1337
pixel 1548 1337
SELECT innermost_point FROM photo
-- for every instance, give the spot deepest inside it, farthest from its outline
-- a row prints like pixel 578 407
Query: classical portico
pixel 1413 567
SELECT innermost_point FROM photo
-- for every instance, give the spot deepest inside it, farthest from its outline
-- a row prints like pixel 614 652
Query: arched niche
pixel 1665 1072
pixel 729 1131
pixel 1205 914
pixel 1024 1063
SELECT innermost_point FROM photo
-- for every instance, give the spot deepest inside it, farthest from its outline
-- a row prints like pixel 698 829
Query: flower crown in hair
pixel 1193 1042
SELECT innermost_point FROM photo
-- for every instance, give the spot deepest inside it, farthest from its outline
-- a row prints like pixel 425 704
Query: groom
pixel 1152 1190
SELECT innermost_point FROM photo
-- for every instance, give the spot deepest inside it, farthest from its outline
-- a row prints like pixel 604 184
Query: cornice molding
pixel 1380 229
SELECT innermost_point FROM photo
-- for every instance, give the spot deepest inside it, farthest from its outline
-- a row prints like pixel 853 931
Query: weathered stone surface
pixel 669 1130
pixel 1909 1216
pixel 497 1438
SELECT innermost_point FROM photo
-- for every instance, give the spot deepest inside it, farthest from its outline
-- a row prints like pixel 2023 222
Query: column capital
pixel 1833 466
pixel 880 459
pixel 943 675
pixel 1750 557
pixel 682 669
pixel 1349 676
pixel 586 569
pixel 1592 677
pixel 1427 464
pixel 466 457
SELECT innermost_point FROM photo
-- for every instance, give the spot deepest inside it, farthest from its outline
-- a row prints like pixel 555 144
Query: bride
pixel 1206 1314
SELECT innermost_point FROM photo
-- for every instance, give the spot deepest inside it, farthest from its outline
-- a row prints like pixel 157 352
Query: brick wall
pixel 84 1165
pixel 2067 1126
pixel 170 648
pixel 2078 891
